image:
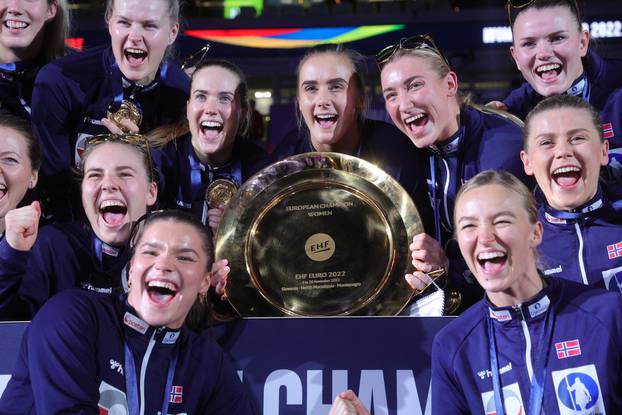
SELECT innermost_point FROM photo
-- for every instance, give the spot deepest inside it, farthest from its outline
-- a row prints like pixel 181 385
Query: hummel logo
pixel 114 365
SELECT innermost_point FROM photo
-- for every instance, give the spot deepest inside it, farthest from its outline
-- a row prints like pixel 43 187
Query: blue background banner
pixel 295 366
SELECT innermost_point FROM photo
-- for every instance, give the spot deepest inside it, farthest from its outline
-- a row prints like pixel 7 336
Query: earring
pixel 129 285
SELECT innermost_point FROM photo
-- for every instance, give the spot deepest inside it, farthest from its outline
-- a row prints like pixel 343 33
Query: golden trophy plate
pixel 319 234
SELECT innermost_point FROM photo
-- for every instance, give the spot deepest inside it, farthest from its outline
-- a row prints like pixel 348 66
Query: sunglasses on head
pixel 410 43
pixel 196 58
pixel 137 140
pixel 521 4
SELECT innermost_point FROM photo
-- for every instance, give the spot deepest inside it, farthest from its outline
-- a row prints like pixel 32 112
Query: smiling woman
pixel 20 158
pixel 32 33
pixel 565 150
pixel 551 50
pixel 527 347
pixel 210 144
pixel 460 139
pixel 330 105
pixel 128 86
pixel 118 187
pixel 132 353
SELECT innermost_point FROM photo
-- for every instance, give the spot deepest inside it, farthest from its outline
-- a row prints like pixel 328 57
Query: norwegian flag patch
pixel 568 348
pixel 608 131
pixel 614 250
pixel 176 395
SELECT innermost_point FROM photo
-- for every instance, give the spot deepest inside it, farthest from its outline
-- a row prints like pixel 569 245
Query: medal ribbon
pixel 451 147
pixel 117 85
pixel 12 72
pixel 539 368
pixel 131 385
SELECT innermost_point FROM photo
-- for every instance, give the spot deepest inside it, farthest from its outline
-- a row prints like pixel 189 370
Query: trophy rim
pixel 389 201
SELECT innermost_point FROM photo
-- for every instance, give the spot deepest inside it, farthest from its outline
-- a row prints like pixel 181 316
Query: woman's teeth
pixel 14 24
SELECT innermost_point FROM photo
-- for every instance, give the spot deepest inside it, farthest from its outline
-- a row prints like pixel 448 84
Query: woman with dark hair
pixel 460 139
pixel 20 159
pixel 86 352
pixel 32 34
pixel 551 50
pixel 565 151
pixel 528 346
pixel 210 144
pixel 127 86
pixel 330 102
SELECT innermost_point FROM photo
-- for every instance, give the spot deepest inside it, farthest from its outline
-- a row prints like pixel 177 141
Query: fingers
pixel 111 126
pixel 350 397
pixel 125 126
pixel 342 407
pixel 22 226
pixel 220 273
pixel 497 105
pixel 418 280
pixel 214 215
pixel 427 253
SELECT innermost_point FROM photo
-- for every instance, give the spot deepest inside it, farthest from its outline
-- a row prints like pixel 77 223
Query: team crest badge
pixel 578 391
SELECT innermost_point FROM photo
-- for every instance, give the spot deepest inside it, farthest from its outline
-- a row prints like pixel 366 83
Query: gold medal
pixel 127 111
pixel 220 192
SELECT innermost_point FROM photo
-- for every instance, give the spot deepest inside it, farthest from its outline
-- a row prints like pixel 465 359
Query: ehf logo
pixel 578 391
pixel 512 401
pixel 613 279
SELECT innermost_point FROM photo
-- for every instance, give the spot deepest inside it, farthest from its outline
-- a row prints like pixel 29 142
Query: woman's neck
pixel 530 284
pixel 346 145
pixel 218 159
pixel 8 55
pixel 452 126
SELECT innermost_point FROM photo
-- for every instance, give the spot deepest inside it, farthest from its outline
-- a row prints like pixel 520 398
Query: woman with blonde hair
pixel 460 139
pixel 528 346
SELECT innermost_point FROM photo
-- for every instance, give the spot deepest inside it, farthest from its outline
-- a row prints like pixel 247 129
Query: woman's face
pixel 167 272
pixel 116 191
pixel 497 239
pixel 420 103
pixel 564 153
pixel 328 98
pixel 16 173
pixel 214 112
pixel 140 32
pixel 548 48
pixel 22 24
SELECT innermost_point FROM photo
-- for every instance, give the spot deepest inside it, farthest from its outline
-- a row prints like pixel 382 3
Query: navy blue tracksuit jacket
pixel 584 357
pixel 64 256
pixel 184 178
pixel 72 360
pixel 485 141
pixel 584 245
pixel 72 95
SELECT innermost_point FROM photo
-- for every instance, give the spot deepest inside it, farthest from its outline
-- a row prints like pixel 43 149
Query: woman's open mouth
pixel 113 212
pixel 566 176
pixel 416 121
pixel 492 262
pixel 135 56
pixel 549 72
pixel 326 121
pixel 161 292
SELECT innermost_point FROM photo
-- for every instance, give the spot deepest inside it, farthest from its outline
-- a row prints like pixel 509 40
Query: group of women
pixel 143 274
